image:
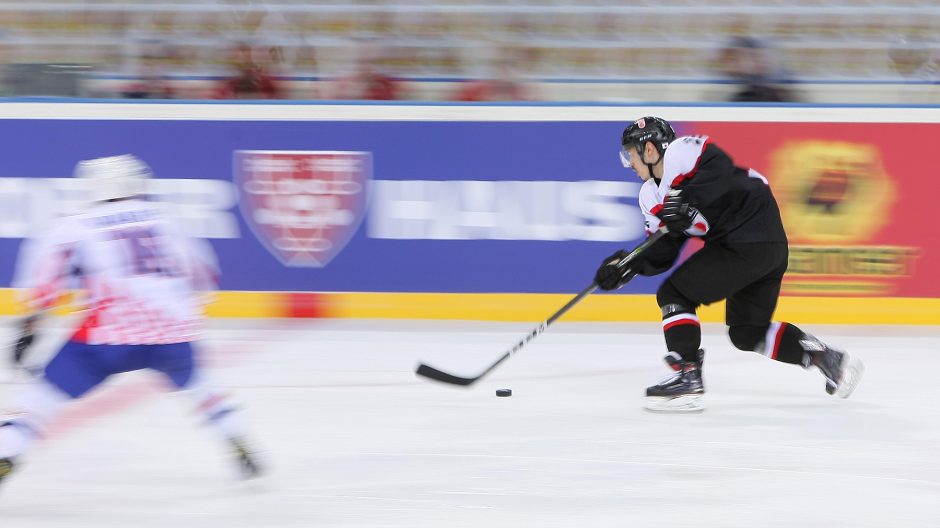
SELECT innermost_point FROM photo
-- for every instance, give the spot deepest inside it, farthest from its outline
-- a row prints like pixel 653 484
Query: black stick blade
pixel 432 373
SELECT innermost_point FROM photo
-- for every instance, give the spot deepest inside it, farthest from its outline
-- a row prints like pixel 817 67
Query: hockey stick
pixel 432 373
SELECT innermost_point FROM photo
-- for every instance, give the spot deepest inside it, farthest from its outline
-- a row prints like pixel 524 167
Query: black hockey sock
pixel 783 343
pixel 683 335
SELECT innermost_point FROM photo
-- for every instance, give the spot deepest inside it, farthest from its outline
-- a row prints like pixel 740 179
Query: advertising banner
pixel 477 206
pixel 355 206
pixel 855 199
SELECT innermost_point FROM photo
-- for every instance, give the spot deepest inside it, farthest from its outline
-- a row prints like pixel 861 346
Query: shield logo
pixel 303 206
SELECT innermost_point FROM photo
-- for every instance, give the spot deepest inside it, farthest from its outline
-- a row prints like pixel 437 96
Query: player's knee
pixel 671 300
pixel 747 337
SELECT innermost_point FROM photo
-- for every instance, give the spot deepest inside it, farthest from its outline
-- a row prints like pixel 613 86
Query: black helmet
pixel 655 129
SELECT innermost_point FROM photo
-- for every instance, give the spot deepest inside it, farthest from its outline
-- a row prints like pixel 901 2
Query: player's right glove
pixel 25 340
pixel 677 214
pixel 610 276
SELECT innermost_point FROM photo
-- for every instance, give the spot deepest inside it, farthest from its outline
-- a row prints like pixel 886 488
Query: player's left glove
pixel 677 213
pixel 25 339
pixel 610 276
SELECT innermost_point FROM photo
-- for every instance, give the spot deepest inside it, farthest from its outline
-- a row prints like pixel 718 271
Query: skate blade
pixel 852 370
pixel 679 405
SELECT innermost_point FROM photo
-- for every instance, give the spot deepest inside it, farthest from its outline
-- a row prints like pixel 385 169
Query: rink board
pixel 496 212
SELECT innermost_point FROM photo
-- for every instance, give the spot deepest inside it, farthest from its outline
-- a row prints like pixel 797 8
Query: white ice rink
pixel 352 438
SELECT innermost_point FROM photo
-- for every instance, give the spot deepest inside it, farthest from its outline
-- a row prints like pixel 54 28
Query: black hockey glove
pixel 610 276
pixel 25 339
pixel 677 214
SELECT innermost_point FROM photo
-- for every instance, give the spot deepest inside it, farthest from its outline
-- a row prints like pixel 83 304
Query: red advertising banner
pixel 856 199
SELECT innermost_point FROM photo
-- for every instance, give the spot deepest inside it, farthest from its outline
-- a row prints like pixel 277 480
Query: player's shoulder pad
pixel 687 145
pixel 681 158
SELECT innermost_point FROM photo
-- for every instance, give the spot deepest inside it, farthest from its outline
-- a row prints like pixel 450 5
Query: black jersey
pixel 735 204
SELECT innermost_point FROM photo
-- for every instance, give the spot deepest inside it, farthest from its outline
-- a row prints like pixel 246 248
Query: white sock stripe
pixel 679 317
pixel 770 339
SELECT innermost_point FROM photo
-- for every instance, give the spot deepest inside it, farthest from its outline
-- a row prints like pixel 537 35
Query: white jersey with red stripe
pixel 138 276
pixel 679 162
pixel 681 159
pixel 650 203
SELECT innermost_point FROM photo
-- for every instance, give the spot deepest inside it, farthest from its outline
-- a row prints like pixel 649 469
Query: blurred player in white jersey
pixel 694 189
pixel 140 282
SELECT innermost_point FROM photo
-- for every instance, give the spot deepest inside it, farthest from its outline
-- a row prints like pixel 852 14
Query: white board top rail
pixel 408 111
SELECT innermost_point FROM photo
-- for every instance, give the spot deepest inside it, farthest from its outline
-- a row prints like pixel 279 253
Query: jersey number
pixel 147 257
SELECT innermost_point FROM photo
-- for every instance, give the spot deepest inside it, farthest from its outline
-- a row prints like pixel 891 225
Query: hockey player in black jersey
pixel 692 188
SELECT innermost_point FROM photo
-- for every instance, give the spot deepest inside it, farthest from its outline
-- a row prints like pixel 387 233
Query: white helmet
pixel 114 177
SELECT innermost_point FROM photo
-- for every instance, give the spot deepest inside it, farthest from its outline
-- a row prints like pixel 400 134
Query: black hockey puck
pixel 503 393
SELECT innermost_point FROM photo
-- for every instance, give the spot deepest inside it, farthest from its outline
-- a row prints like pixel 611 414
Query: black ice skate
pixel 681 392
pixel 246 460
pixel 841 370
pixel 6 467
pixel 674 360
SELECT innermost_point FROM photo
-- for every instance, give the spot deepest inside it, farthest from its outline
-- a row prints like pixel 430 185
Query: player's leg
pixel 710 275
pixel 74 370
pixel 785 342
pixel 679 296
pixel 713 273
pixel 683 334
pixel 682 330
pixel 25 420
pixel 178 363
pixel 749 313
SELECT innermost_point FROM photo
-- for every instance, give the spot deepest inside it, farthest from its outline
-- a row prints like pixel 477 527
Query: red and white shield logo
pixel 304 206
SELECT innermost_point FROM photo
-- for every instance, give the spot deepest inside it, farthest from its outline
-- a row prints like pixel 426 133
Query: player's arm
pixel 204 265
pixel 26 334
pixel 656 259
pixel 197 260
pixel 204 269
pixel 44 265
pixel 695 174
pixel 662 255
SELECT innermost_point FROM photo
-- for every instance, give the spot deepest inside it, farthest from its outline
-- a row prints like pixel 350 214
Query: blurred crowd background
pixel 878 51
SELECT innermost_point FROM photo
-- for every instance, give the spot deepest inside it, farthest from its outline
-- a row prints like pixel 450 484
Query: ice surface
pixel 353 439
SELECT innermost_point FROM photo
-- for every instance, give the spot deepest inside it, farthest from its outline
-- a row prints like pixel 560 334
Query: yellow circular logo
pixel 831 191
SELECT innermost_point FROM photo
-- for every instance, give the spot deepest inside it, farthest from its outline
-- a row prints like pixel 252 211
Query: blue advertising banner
pixel 358 206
